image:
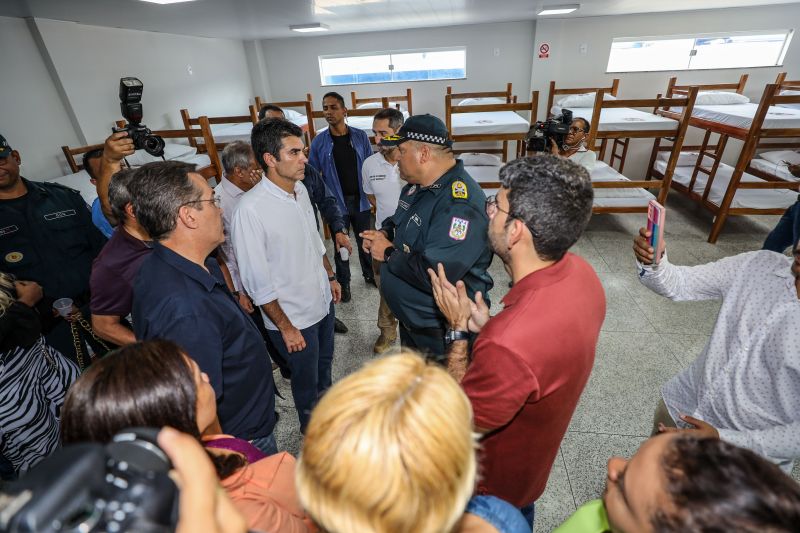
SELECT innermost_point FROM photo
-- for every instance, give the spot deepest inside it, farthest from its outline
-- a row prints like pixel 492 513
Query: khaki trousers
pixel 387 323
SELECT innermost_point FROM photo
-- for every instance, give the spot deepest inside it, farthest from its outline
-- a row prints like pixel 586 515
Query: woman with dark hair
pixel 681 483
pixel 34 378
pixel 154 384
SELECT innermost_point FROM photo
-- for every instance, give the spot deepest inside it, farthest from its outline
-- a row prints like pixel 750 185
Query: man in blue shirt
pixel 339 152
pixel 92 165
pixel 180 295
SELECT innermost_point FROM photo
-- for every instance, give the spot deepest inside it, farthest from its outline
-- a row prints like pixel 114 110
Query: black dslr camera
pixel 556 128
pixel 120 487
pixel 130 98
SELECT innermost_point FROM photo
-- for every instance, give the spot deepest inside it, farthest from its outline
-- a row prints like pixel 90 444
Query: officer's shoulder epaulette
pixel 57 186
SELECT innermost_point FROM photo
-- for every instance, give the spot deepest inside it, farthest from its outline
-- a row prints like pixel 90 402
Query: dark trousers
pixel 428 341
pixel 786 232
pixel 359 221
pixel 274 354
pixel 310 367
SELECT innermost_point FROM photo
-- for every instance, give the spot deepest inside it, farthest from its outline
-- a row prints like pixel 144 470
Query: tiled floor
pixel 645 340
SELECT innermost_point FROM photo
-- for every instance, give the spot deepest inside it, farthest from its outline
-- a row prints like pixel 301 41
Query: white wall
pixel 293 63
pixel 90 60
pixel 32 115
pixel 570 68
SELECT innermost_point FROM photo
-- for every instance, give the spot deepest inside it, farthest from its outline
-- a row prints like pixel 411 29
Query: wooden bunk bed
pixel 70 153
pixel 228 128
pixel 619 119
pixel 761 126
pixel 399 101
pixel 490 122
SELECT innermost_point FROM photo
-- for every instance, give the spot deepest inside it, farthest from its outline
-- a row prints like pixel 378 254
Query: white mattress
pixel 776 169
pixel 745 198
pixel 629 197
pixel 623 119
pixel 741 115
pixel 622 197
pixel 488 123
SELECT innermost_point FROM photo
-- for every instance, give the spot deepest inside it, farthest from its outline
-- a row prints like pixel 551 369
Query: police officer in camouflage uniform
pixel 440 218
pixel 47 236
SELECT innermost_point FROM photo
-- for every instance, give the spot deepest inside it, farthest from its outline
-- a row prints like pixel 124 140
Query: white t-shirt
pixel 381 178
pixel 584 157
pixel 279 252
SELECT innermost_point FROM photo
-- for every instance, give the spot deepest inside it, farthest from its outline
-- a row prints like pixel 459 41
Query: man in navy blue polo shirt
pixel 180 295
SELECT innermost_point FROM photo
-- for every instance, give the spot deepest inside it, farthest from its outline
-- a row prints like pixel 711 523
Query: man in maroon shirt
pixel 531 362
pixel 117 264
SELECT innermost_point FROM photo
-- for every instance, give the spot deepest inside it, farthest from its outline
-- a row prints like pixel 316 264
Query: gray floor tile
pixel 622 313
pixel 586 456
pixel 624 386
pixel 684 347
pixel 555 505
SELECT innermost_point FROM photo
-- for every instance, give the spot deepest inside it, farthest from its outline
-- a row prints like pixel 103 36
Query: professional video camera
pixel 130 97
pixel 556 128
pixel 122 486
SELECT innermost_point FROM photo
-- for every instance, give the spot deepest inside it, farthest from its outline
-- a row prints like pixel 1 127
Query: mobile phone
pixel 655 225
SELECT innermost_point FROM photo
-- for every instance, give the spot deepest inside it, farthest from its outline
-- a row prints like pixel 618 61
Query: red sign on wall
pixel 544 51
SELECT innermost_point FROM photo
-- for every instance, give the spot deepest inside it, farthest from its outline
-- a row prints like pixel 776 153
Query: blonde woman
pixel 34 378
pixel 390 449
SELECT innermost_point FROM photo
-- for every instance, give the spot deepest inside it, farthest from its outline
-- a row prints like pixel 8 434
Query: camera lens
pixel 154 145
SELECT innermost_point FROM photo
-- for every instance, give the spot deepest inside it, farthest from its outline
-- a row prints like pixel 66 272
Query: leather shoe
pixel 338 326
pixel 346 293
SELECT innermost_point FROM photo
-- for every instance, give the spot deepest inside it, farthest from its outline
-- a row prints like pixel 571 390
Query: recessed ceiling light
pixel 163 2
pixel 559 10
pixel 307 28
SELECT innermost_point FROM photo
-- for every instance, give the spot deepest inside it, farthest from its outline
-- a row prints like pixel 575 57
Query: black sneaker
pixel 338 326
pixel 346 293
pixel 371 281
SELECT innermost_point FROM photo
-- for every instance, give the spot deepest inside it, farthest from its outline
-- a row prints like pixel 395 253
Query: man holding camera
pixel 574 147
pixel 47 236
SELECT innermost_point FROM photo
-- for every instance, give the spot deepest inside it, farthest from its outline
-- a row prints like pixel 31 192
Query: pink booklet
pixel 655 225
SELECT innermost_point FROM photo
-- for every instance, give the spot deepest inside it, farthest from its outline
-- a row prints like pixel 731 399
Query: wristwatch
pixel 387 253
pixel 331 278
pixel 453 335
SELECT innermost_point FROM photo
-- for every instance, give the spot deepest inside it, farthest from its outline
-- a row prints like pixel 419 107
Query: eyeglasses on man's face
pixel 217 201
pixel 575 129
pixel 492 208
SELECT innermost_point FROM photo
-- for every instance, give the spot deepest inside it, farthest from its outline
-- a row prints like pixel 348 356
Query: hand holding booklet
pixel 655 225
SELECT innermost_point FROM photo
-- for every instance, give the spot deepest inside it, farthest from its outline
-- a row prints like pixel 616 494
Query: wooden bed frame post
pixel 187 125
pixel 748 150
pixel 210 145
pixel 448 104
pixel 408 101
pixel 550 97
pixel 677 144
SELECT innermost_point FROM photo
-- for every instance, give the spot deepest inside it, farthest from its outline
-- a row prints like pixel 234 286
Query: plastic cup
pixel 63 306
pixel 344 254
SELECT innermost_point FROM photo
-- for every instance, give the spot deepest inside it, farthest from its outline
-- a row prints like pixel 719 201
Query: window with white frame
pixel 398 65
pixel 699 52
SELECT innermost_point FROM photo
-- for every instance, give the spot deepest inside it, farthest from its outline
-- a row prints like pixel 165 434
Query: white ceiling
pixel 264 19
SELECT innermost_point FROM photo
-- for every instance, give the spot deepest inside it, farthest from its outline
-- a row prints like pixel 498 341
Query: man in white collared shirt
pixel 282 262
pixel 745 385
pixel 381 182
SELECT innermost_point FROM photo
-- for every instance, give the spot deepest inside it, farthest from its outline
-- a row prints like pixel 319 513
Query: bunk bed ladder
pixel 623 144
pixel 715 156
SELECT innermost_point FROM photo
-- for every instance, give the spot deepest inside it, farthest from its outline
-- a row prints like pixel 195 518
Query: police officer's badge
pixel 411 190
pixel 458 229
pixel 460 190
pixel 14 257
